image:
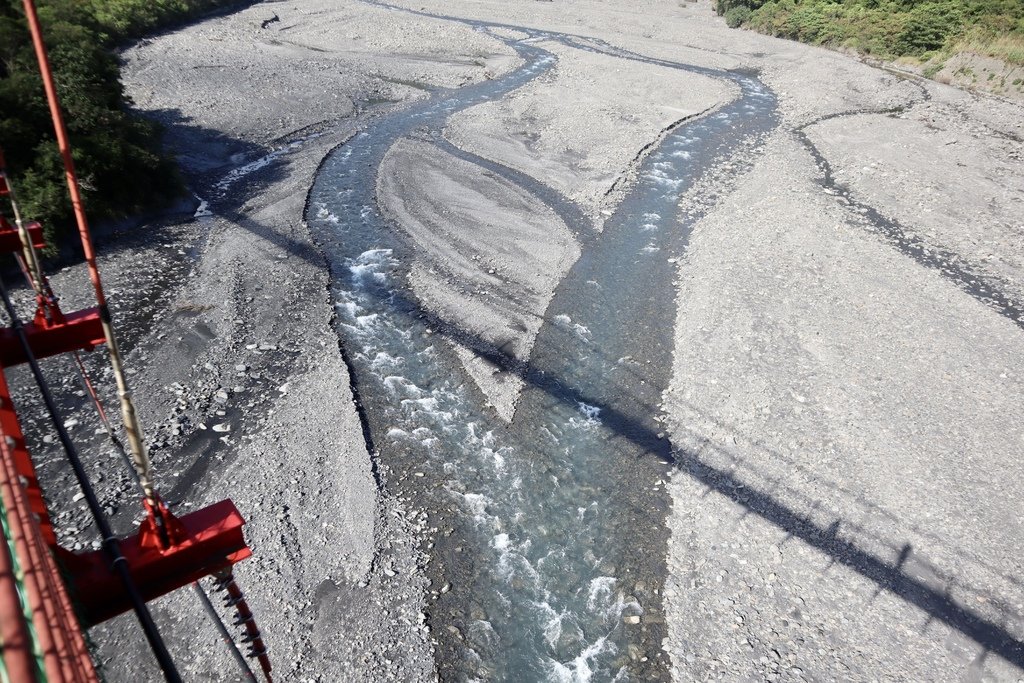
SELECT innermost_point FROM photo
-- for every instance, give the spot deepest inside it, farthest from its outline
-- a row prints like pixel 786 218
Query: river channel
pixel 555 538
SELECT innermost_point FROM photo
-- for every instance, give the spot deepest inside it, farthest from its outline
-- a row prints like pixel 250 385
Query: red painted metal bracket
pixel 212 541
pixel 81 330
pixel 10 241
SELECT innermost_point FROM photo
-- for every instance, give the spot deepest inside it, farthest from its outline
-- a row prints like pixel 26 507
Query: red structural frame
pixel 212 541
pixel 65 657
pixel 196 545
pixel 48 594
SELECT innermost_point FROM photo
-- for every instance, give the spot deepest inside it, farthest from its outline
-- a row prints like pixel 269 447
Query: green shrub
pixel 928 26
pixel 737 16
pixel 723 6
pixel 917 29
pixel 117 153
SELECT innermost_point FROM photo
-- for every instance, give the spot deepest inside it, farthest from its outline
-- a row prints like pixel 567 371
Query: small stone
pixel 222 427
pixel 631 619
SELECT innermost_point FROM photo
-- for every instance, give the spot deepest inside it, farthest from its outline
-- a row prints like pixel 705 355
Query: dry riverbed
pixel 846 416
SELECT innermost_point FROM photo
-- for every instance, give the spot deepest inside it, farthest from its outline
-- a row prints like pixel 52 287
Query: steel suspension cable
pixel 110 543
pixel 29 257
pixel 225 634
pixel 133 429
pixel 83 375
pixel 37 280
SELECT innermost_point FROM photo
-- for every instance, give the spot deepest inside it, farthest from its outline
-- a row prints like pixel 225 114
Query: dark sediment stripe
pixel 969 277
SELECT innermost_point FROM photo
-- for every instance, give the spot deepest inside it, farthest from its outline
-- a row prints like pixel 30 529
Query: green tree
pixel 117 153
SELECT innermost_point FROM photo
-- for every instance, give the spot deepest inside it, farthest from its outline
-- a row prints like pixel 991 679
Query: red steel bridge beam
pixel 58 635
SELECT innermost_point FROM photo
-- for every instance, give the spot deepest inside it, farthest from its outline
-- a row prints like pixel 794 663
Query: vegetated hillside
pixel 976 42
pixel 117 153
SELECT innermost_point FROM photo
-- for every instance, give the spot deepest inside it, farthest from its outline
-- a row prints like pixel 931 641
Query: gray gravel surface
pixel 846 418
pixel 844 421
pixel 626 105
pixel 487 252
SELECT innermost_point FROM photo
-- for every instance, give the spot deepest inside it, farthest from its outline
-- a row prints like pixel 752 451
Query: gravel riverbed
pixel 845 412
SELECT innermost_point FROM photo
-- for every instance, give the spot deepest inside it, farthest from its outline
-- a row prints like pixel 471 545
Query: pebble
pixel 222 427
